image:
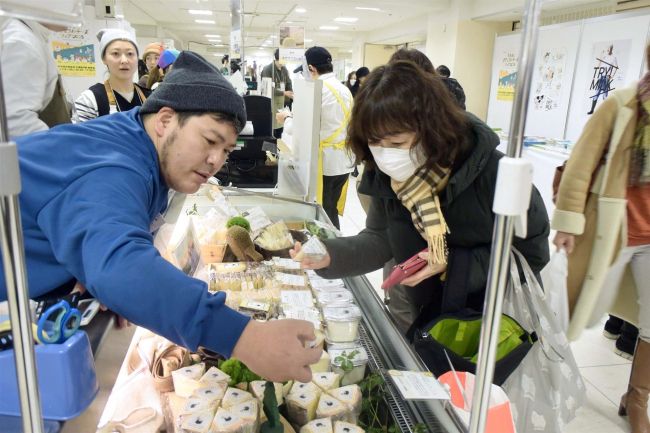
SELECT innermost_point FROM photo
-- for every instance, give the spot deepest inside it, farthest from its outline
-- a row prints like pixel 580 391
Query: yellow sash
pixel 339 145
pixel 111 96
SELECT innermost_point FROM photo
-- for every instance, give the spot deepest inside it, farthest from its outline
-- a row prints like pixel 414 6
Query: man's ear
pixel 163 120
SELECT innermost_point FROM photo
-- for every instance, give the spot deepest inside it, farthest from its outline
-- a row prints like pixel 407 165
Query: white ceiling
pixel 263 17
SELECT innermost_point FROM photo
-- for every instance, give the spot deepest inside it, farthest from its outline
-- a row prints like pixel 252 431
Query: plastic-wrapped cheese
pixel 249 412
pixel 197 423
pixel 195 405
pixel 322 425
pixel 327 380
pixel 299 387
pixel 346 427
pixel 186 379
pixel 359 361
pixel 329 407
pixel 257 388
pixel 349 395
pixel 214 375
pixel 301 406
pixel 322 365
pixel 235 396
pixel 211 392
pixel 227 422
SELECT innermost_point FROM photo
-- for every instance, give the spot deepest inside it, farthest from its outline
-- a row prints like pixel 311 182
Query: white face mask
pixel 352 82
pixel 397 163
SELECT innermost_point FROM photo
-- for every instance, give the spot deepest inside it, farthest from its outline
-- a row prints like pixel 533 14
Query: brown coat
pixel 583 211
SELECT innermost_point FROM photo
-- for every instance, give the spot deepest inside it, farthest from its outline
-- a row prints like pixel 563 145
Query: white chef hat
pixel 106 36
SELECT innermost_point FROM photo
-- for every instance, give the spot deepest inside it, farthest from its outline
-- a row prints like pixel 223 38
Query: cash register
pixel 248 166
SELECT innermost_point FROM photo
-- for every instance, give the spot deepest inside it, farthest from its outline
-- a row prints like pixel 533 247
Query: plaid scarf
pixel 419 194
pixel 640 155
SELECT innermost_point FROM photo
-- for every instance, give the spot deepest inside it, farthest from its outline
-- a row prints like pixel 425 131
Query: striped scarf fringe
pixel 419 194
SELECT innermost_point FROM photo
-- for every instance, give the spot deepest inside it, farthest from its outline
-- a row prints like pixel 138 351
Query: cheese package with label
pixel 194 405
pixel 227 422
pixel 214 375
pixel 346 427
pixel 349 395
pixel 249 412
pixel 186 379
pixel 234 396
pixel 257 388
pixel 301 406
pixel 327 381
pixel 197 423
pixel 214 392
pixel 299 387
pixel 329 407
pixel 321 425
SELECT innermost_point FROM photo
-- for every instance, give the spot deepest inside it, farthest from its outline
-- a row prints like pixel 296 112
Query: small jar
pixel 342 323
pixel 338 355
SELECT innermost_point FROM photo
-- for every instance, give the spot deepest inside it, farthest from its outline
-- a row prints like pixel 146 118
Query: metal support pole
pixel 13 260
pixel 11 237
pixel 503 230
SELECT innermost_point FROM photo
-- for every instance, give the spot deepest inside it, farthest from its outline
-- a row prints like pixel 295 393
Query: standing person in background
pixel 119 52
pixel 236 78
pixel 335 162
pixel 452 84
pixel 282 88
pixel 351 81
pixel 361 74
pixel 38 103
pixel 150 58
pixel 225 65
pixel 164 65
pixel 619 130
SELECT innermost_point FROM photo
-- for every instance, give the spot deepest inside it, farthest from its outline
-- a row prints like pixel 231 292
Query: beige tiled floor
pixel 605 373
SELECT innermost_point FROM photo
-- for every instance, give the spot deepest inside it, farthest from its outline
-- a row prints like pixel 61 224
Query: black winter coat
pixel 467 207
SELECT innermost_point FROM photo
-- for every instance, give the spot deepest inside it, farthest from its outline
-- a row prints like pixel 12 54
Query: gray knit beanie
pixel 195 85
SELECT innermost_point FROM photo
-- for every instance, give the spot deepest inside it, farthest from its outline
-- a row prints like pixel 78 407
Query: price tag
pixel 290 279
pixel 297 298
pixel 418 385
pixel 285 263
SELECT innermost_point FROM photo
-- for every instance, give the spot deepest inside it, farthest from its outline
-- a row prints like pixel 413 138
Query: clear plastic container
pixel 331 298
pixel 342 323
pixel 349 361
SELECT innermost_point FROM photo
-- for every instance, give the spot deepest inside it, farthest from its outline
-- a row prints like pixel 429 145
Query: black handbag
pixel 454 309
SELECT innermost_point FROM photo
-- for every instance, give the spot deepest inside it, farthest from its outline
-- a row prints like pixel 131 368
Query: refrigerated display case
pixel 386 347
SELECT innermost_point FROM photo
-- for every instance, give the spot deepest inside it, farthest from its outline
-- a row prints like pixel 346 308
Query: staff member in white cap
pixel 86 213
pixel 119 53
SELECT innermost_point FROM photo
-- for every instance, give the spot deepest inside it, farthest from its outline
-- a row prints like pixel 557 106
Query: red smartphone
pixel 404 269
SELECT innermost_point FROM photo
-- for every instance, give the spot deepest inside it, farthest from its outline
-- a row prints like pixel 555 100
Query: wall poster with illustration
pixel 504 77
pixel 552 78
pixel 610 57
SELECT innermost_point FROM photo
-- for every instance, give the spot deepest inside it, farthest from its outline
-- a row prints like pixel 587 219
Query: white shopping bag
pixel 554 278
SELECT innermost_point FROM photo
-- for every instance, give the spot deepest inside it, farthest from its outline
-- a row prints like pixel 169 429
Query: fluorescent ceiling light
pixel 309 40
pixel 346 19
pixel 212 36
pixel 199 12
pixel 361 8
pixel 288 22
pixel 328 28
pixel 214 40
pixel 204 21
pixel 301 10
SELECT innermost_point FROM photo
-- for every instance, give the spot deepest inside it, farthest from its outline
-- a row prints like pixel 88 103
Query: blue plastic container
pixel 66 378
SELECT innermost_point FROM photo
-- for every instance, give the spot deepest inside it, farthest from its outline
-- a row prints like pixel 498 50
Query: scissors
pixel 58 323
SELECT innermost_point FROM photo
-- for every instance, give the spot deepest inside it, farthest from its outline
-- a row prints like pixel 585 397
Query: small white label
pixel 257 219
pixel 319 283
pixel 418 385
pixel 285 263
pixel 297 298
pixel 290 279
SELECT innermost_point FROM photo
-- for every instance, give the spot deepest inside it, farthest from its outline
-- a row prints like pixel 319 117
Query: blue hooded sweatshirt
pixel 89 194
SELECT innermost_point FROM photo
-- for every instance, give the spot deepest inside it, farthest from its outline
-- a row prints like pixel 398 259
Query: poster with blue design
pixel 610 63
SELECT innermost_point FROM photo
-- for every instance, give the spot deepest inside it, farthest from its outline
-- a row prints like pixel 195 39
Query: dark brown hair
pixel 415 56
pixel 401 97
pixel 647 56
